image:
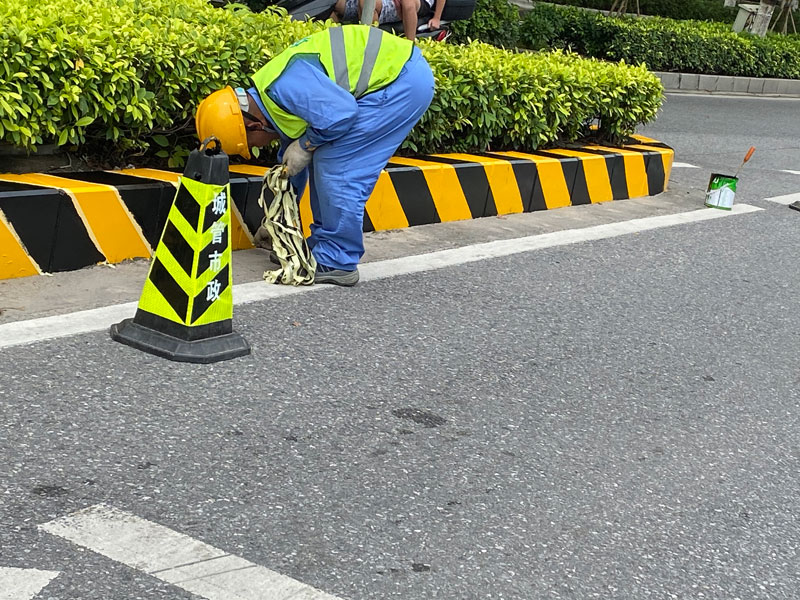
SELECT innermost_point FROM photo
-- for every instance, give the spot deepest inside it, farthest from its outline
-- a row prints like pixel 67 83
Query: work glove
pixel 295 158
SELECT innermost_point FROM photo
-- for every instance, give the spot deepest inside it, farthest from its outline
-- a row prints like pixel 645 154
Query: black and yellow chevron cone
pixel 186 308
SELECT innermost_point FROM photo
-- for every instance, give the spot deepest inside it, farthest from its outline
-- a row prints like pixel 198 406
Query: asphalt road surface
pixel 611 413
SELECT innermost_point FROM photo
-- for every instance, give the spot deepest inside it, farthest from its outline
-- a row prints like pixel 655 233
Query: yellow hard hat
pixel 220 115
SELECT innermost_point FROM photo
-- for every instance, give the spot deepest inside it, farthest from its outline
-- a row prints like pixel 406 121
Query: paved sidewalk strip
pixel 726 84
pixel 176 558
pixel 26 332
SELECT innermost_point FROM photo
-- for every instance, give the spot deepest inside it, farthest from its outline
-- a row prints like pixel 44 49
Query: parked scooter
pixel 454 10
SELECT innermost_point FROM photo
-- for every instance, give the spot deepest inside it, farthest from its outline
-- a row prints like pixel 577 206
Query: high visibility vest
pixel 359 58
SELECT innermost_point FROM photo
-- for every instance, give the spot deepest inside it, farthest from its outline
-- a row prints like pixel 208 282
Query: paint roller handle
pixel 746 158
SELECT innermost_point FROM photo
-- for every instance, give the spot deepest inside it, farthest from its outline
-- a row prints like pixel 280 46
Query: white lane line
pixel 680 165
pixel 467 254
pixel 34 330
pixel 176 558
pixel 23 584
pixel 46 328
pixel 789 171
pixel 785 200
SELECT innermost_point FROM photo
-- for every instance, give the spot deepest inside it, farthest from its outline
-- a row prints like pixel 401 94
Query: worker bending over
pixel 341 101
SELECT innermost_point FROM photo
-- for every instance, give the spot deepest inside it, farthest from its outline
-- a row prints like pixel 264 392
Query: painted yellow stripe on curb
pixel 667 156
pixel 666 159
pixel 305 211
pixel 551 178
pixel 502 181
pixel 644 138
pixel 241 238
pixel 594 167
pixel 14 259
pixel 156 174
pixel 249 170
pixel 635 171
pixel 443 184
pixel 109 223
pixel 383 206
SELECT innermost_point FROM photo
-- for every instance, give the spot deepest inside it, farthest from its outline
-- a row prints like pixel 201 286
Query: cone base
pixel 203 351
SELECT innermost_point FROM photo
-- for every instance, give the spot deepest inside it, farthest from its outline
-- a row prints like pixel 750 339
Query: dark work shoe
pixel 335 276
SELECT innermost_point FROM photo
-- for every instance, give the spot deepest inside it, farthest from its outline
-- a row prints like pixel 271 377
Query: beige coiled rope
pixel 282 224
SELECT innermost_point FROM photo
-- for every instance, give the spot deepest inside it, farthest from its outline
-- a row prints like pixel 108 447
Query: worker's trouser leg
pixel 344 172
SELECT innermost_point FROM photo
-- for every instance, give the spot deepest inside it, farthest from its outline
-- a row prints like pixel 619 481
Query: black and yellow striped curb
pixel 52 223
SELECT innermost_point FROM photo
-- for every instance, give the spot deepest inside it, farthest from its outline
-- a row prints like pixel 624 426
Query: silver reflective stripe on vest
pixel 339 57
pixel 370 58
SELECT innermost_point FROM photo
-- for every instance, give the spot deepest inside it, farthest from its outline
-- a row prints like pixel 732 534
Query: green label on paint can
pixel 721 191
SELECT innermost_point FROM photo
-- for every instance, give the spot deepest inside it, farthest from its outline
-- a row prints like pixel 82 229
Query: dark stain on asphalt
pixel 744 515
pixel 49 491
pixel 420 417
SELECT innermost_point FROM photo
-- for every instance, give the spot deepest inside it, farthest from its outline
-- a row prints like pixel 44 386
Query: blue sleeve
pixel 307 92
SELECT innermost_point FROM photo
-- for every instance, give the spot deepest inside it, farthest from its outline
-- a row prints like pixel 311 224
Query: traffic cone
pixel 185 312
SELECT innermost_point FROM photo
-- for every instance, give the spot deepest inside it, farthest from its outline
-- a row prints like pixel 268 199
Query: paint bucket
pixel 721 191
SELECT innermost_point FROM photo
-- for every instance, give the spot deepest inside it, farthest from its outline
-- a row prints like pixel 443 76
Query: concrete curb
pixel 54 223
pixel 722 84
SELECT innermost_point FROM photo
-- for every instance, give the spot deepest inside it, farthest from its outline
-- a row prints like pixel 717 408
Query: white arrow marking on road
pixel 786 200
pixel 684 165
pixel 177 558
pixel 23 584
pixel 47 328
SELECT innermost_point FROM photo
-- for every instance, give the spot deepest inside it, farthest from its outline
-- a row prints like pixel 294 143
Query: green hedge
pixel 495 22
pixel 662 44
pixel 134 66
pixel 698 10
pixel 131 76
pixel 490 98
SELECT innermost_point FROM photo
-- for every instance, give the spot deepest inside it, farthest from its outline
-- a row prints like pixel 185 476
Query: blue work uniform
pixel 354 139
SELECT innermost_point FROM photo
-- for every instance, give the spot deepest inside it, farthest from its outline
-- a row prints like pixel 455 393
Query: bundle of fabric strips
pixel 281 225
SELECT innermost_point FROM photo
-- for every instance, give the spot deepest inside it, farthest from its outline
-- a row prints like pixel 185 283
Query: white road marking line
pixel 790 171
pixel 786 200
pixel 46 328
pixel 35 330
pixel 680 165
pixel 467 254
pixel 176 558
pixel 23 584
